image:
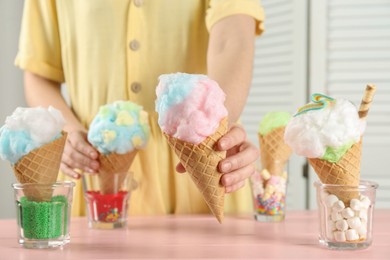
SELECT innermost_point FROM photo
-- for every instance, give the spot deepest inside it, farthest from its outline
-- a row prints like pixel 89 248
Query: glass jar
pixel 346 214
pixel 107 199
pixel 43 213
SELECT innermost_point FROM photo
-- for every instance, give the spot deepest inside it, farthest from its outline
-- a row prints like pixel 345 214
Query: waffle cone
pixel 40 166
pixel 113 171
pixel 344 172
pixel 274 152
pixel 201 163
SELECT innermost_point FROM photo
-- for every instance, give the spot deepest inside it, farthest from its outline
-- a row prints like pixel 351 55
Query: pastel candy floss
pixel 190 106
pixel 120 127
pixel 118 131
pixel 27 129
pixel 325 129
pixel 193 117
pixel 273 120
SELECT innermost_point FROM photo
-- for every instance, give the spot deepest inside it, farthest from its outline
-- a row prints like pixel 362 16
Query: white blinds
pixel 279 79
pixel 351 47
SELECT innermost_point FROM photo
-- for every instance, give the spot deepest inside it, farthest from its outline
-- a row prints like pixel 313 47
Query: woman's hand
pixel 78 155
pixel 240 159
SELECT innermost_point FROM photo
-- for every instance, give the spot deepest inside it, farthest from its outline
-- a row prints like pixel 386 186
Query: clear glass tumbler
pixel 269 196
pixel 346 214
pixel 107 199
pixel 43 213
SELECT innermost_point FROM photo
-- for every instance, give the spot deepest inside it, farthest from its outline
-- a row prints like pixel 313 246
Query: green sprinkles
pixel 44 220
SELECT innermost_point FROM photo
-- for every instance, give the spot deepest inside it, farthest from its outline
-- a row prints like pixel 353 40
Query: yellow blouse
pixel 108 50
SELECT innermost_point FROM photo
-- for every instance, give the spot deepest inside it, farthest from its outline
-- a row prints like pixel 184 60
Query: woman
pixel 114 50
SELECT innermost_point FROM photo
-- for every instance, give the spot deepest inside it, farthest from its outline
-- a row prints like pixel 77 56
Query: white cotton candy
pixel 42 124
pixel 310 133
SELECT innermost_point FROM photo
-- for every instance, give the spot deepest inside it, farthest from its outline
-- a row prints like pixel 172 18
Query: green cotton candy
pixel 272 121
pixel 44 220
pixel 334 155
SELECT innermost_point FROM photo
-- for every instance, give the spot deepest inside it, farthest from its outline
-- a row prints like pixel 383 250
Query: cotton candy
pixel 332 129
pixel 27 129
pixel 119 127
pixel 190 106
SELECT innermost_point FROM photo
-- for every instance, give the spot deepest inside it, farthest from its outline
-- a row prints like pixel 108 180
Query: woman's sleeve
pixel 219 9
pixel 39 42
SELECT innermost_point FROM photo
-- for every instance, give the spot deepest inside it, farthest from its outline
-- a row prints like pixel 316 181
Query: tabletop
pixel 200 237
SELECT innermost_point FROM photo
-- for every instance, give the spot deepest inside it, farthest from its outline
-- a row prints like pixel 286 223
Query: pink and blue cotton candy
pixel 190 106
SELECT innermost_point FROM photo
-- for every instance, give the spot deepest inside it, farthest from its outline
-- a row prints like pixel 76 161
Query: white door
pixel 280 79
pixel 350 47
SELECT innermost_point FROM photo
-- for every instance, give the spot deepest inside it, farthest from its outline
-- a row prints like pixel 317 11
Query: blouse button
pixel 135 87
pixel 138 3
pixel 134 45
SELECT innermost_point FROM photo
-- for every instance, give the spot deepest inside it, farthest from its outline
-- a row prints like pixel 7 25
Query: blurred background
pixel 334 47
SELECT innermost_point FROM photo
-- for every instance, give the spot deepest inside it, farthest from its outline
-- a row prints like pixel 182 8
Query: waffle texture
pixel 113 171
pixel 41 166
pixel 344 172
pixel 201 162
pixel 274 152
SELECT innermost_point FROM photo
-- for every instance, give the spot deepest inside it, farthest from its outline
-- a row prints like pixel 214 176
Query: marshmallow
pixel 342 225
pixel 338 206
pixel 329 229
pixel 362 231
pixel 364 221
pixel 347 213
pixel 363 214
pixel 265 174
pixel 335 216
pixel 330 200
pixel 351 234
pixel 339 236
pixel 355 204
pixel 365 202
pixel 354 222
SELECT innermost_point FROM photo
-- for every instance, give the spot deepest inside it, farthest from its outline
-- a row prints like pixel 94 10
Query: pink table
pixel 178 237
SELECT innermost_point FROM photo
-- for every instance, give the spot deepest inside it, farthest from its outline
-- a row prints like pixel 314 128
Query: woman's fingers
pixel 235 136
pixel 246 154
pixel 78 154
pixel 234 180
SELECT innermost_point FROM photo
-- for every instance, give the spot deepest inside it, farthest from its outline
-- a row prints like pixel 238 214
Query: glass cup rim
pixel 68 184
pixel 363 185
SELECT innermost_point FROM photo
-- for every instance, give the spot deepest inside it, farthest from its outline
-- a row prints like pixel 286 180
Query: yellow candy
pixel 265 174
pixel 137 141
pixel 124 118
pixel 108 136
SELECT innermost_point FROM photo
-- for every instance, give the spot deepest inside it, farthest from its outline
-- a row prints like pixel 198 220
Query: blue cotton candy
pixel 124 121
